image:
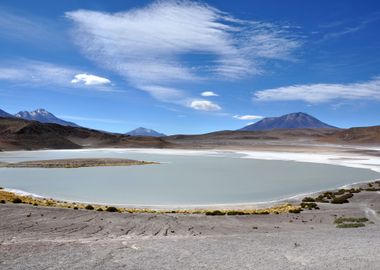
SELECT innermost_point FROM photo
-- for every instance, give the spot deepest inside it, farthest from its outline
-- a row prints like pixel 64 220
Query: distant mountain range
pixel 21 134
pixel 5 114
pixel 288 121
pixel 145 132
pixel 43 116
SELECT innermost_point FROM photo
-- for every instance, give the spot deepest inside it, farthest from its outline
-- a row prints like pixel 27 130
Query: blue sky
pixel 191 67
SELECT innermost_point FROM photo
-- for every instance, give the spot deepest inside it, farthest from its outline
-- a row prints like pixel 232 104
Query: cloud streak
pixel 38 73
pixel 319 93
pixel 247 117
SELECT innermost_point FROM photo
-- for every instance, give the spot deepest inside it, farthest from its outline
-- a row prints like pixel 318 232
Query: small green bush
pixel 309 205
pixel 340 220
pixel 2 201
pixel 321 199
pixel 350 225
pixel 17 200
pixel 112 209
pixel 342 199
pixel 215 213
pixel 75 208
pixel 89 207
pixel 339 192
pixel 372 189
pixel 235 212
pixel 295 211
pixel 308 199
pixel 99 209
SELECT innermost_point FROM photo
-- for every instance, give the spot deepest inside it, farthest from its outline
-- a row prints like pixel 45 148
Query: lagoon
pixel 183 178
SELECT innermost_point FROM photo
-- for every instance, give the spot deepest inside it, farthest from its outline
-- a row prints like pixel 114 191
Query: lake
pixel 182 178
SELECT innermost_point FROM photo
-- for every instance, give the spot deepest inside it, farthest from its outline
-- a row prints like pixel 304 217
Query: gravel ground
pixel 53 238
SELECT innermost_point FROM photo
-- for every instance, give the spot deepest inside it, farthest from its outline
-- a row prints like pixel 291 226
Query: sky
pixel 188 67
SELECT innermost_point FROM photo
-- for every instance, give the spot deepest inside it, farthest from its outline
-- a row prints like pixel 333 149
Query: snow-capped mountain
pixel 145 132
pixel 43 116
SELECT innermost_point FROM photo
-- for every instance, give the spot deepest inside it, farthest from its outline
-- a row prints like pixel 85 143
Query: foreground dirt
pixel 53 238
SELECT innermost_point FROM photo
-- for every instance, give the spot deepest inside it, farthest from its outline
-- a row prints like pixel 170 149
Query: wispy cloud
pixel 26 28
pixel 90 119
pixel 147 46
pixel 247 117
pixel 38 73
pixel 358 26
pixel 204 105
pixel 317 93
pixel 209 94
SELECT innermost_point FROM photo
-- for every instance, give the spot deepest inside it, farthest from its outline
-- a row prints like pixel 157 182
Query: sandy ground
pixel 53 238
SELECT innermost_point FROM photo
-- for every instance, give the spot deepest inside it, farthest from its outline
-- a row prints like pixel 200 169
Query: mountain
pixel 288 121
pixel 43 116
pixel 20 134
pixel 145 132
pixel 5 114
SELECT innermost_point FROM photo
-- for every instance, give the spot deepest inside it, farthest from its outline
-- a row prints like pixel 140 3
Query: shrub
pixel 309 205
pixel 112 209
pixel 2 201
pixel 342 199
pixel 350 219
pixel 340 192
pixel 17 200
pixel 295 211
pixel 308 199
pixel 75 208
pixel 215 213
pixel 350 225
pixel 235 212
pixel 321 199
pixel 372 189
pixel 99 209
pixel 328 195
pixel 89 207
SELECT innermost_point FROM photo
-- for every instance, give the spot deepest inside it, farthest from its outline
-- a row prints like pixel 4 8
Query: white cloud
pixel 154 45
pixel 247 117
pixel 204 105
pixel 38 73
pixel 89 79
pixel 317 93
pixel 209 94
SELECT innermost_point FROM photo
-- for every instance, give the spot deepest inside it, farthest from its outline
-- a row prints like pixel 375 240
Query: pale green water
pixel 179 180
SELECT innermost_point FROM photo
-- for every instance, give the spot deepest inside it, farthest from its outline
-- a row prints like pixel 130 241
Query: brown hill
pixel 16 134
pixel 357 135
